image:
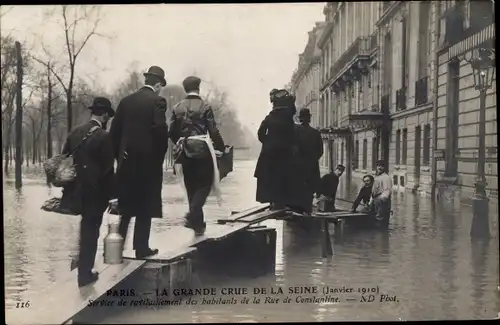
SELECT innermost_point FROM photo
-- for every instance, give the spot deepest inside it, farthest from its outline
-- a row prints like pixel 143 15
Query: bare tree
pixel 19 115
pixel 72 19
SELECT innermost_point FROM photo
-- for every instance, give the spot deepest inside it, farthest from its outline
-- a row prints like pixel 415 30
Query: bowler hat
pixel 102 105
pixel 158 73
pixel 191 83
pixel 304 112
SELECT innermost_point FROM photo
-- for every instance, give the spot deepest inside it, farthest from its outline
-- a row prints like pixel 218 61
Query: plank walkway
pixel 179 242
pixel 61 301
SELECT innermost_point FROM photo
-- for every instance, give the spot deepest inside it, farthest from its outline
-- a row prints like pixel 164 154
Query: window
pixel 423 39
pixel 404 49
pixel 365 151
pixel 427 145
pixel 398 147
pixel 404 154
pixel 356 155
pixel 452 118
pixel 387 64
pixel 375 144
pixel 342 153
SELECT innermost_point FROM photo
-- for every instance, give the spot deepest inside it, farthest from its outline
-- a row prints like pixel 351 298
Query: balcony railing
pixel 401 99
pixel 421 91
pixel 361 46
pixel 385 104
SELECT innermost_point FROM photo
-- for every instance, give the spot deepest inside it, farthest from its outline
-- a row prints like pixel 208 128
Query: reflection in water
pixel 479 262
pixel 426 259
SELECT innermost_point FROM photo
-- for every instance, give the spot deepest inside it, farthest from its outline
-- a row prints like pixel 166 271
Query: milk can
pixel 113 246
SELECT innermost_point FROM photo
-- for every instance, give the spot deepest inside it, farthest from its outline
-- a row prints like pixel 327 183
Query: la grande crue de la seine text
pixel 236 291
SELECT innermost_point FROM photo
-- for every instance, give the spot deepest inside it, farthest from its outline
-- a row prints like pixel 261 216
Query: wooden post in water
pixel 19 117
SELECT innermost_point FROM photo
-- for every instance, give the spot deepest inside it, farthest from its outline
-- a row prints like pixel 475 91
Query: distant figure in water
pixel 381 194
pixel 364 194
pixel 310 151
pixel 279 148
pixel 328 188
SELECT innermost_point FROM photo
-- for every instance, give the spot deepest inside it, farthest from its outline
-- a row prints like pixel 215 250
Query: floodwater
pixel 426 259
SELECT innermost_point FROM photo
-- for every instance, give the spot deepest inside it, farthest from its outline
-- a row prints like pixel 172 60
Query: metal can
pixel 113 246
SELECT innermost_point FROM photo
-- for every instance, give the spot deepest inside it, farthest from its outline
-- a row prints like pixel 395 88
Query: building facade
pixel 305 80
pixel 464 25
pixel 392 89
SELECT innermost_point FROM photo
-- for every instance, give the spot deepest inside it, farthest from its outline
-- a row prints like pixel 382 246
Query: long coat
pixel 140 139
pixel 310 151
pixel 94 185
pixel 274 168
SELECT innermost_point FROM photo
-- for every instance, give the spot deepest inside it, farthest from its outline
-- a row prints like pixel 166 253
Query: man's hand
pixel 113 206
pixel 227 149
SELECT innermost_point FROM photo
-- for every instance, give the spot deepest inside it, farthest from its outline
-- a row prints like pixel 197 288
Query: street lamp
pixel 482 61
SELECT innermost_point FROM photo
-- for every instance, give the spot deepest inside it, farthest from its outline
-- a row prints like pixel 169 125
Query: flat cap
pixel 191 83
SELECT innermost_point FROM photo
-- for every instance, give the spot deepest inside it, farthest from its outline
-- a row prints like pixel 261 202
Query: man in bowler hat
pixel 191 117
pixel 310 151
pixel 93 187
pixel 140 134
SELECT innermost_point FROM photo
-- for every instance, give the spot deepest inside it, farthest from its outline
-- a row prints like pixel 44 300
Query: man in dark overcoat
pixel 310 147
pixel 140 134
pixel 193 117
pixel 93 187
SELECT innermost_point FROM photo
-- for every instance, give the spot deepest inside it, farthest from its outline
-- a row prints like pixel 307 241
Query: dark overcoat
pixel 310 151
pixel 274 168
pixel 140 139
pixel 95 184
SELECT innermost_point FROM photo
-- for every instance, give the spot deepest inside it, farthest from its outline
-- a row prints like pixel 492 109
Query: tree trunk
pixel 49 114
pixel 19 117
pixel 34 153
pixel 69 98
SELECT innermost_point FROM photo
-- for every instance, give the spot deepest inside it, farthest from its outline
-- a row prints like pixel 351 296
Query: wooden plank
pixel 179 242
pixel 64 299
pixel 163 256
pixel 261 216
pixel 244 213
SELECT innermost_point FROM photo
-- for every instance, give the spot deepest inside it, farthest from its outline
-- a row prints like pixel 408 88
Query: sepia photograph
pixel 248 163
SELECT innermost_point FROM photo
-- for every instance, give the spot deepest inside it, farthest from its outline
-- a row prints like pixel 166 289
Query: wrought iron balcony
pixel 360 48
pixel 401 99
pixel 421 91
pixel 385 104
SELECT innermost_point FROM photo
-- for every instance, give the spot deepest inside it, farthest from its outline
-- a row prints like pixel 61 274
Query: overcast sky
pixel 246 49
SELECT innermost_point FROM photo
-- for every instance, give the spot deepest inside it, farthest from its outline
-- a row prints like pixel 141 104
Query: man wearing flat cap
pixel 381 194
pixel 93 187
pixel 192 119
pixel 140 138
pixel 310 150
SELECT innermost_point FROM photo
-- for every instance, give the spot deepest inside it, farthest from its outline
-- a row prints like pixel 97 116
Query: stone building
pixel 390 88
pixel 462 26
pixel 350 87
pixel 408 42
pixel 305 80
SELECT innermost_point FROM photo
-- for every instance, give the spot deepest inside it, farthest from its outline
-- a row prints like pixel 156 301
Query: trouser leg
pixel 142 231
pixel 123 227
pixel 89 235
pixel 196 205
